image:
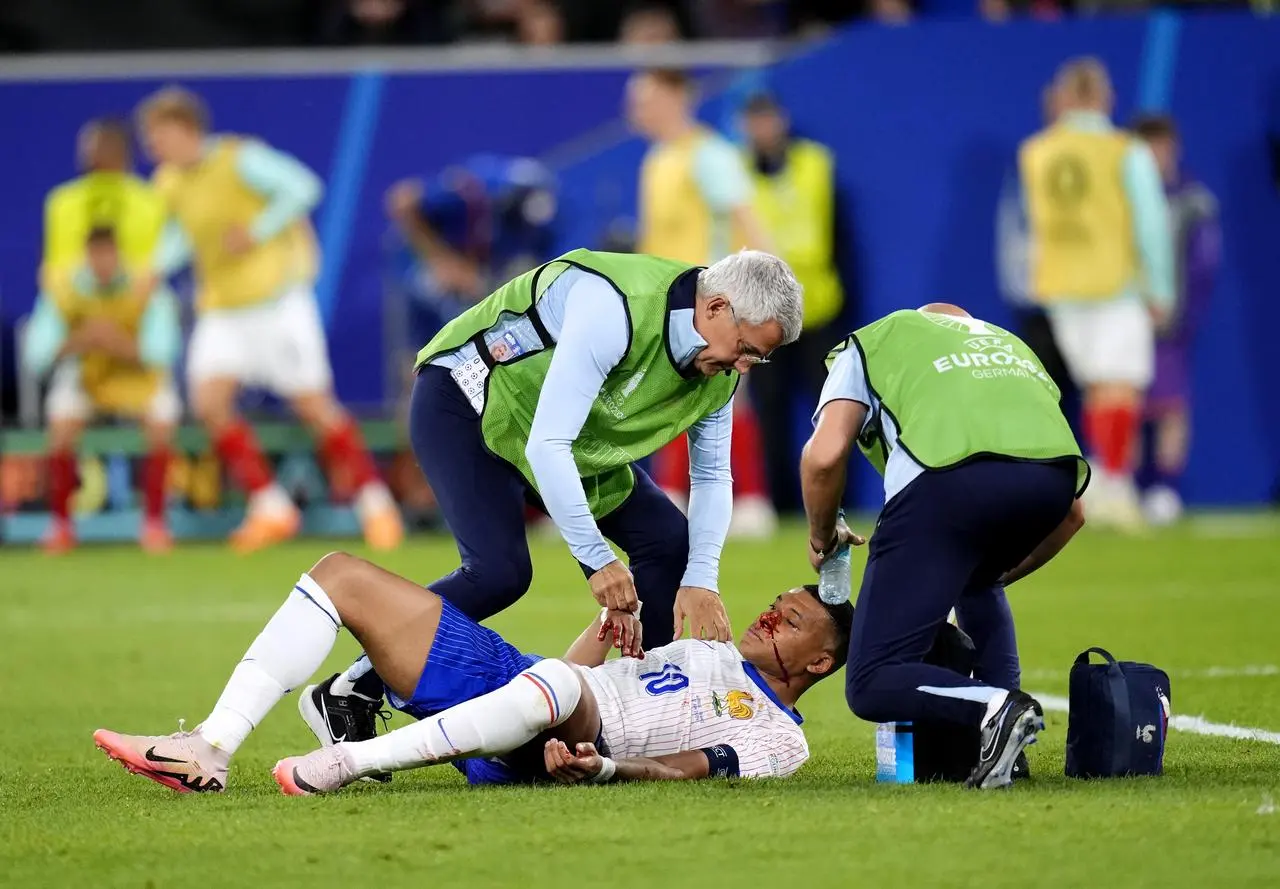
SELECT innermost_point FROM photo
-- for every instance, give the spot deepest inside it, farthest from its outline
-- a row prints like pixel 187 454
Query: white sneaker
pixel 1162 506
pixel 753 519
pixel 320 771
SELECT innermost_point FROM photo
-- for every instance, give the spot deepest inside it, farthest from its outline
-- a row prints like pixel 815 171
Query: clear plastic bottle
pixel 835 578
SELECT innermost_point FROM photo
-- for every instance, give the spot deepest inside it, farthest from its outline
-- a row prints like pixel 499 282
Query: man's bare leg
pixel 396 622
pixel 387 610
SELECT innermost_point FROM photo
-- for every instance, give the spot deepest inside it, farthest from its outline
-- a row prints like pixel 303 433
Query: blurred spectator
pixel 794 197
pixel 695 206
pixel 1197 243
pixel 739 19
pixel 891 12
pixel 1004 10
pixel 540 23
pixel 380 23
pixel 649 23
pixel 468 229
pixel 1101 263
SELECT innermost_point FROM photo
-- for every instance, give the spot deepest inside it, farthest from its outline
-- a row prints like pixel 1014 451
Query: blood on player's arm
pixel 610 629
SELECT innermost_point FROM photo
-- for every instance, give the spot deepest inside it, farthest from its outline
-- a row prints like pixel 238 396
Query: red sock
pixel 1111 430
pixel 671 466
pixel 63 481
pixel 747 456
pixel 346 459
pixel 237 447
pixel 154 474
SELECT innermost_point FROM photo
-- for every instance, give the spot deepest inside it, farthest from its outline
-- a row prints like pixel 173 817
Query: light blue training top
pixel 588 321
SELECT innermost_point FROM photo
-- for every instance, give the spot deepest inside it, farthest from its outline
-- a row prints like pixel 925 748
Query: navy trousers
pixel 942 543
pixel 483 501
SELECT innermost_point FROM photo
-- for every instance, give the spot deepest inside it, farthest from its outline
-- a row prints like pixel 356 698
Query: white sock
pixel 543 696
pixel 994 704
pixel 373 498
pixel 345 684
pixel 271 499
pixel 290 648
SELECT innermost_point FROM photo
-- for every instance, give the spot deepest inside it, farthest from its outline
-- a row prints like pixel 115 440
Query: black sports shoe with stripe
pixel 1004 736
pixel 335 718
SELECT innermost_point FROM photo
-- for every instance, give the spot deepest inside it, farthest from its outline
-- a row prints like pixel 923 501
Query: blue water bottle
pixel 835 577
pixel 895 753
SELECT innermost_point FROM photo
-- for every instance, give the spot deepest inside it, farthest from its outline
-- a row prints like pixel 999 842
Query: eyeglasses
pixel 746 351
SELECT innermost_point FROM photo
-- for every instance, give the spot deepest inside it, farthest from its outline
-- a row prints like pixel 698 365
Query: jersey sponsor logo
pixel 735 704
pixel 665 681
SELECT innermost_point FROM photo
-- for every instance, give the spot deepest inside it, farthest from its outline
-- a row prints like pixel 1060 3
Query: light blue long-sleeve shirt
pixel 1150 210
pixel 847 381
pixel 159 330
pixel 588 321
pixel 291 190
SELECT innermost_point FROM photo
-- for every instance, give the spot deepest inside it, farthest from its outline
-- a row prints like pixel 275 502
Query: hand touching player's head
pixel 799 637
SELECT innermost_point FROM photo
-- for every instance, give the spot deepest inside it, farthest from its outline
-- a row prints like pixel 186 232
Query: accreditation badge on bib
pixel 471 376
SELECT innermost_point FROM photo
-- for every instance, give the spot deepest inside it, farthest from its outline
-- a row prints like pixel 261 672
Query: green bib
pixel 958 389
pixel 645 402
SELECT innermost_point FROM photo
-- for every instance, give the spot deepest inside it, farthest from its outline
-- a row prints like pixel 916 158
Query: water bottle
pixel 895 753
pixel 835 578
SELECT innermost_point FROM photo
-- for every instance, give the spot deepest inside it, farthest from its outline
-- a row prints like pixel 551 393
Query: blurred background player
pixel 1197 245
pixel 467 230
pixel 111 350
pixel 108 195
pixel 1101 262
pixel 1013 273
pixel 695 206
pixel 794 198
pixel 239 212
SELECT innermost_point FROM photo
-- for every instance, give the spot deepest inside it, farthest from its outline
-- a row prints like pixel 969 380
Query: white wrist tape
pixel 607 769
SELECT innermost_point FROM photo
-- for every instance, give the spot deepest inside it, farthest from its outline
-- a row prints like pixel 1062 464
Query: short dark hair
pixel 671 77
pixel 762 102
pixel 1155 126
pixel 101 234
pixel 842 619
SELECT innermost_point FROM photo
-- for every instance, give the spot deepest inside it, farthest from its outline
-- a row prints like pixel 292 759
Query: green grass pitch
pixel 108 637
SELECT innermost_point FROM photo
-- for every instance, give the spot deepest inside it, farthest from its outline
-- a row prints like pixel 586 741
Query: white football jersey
pixel 693 695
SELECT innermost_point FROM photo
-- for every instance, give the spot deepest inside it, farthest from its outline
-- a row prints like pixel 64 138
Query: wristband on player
pixel 607 769
pixel 722 761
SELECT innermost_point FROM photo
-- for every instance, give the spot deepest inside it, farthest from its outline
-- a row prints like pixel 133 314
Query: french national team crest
pixel 735 704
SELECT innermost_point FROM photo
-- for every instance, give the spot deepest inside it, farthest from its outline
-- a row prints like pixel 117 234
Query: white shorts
pixel 278 346
pixel 1106 342
pixel 67 399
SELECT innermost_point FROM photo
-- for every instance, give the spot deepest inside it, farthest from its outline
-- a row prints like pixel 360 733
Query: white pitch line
pixel 1248 671
pixel 1196 725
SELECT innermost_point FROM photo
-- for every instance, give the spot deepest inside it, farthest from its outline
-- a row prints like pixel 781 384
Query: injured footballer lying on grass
pixel 691 709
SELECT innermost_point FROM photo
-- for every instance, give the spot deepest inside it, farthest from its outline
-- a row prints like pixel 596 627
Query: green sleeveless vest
pixel 960 388
pixel 644 404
